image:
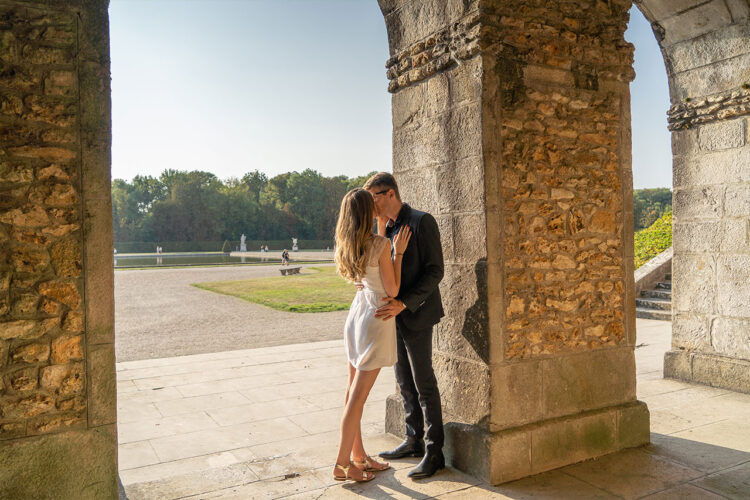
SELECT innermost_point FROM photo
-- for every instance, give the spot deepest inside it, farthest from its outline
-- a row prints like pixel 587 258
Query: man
pixel 417 309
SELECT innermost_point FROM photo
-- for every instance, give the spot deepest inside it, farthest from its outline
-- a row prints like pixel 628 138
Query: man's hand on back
pixel 390 310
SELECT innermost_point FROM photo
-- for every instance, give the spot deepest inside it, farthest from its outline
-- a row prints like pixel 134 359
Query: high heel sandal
pixel 367 465
pixel 366 476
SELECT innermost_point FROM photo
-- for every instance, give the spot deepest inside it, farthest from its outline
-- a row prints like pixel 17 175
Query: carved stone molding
pixel 436 53
pixel 709 109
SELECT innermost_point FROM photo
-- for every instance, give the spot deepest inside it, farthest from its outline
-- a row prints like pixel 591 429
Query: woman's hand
pixel 401 240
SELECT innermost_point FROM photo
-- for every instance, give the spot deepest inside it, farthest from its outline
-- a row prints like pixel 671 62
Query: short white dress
pixel 370 342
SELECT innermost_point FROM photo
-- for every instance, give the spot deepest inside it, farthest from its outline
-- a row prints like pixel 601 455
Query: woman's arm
pixel 390 270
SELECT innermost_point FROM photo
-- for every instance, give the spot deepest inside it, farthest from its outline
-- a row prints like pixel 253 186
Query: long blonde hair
pixel 354 234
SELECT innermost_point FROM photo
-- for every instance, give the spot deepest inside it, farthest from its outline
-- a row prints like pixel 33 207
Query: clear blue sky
pixel 231 86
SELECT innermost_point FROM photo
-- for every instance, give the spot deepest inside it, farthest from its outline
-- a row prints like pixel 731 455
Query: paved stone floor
pixel 262 423
pixel 158 315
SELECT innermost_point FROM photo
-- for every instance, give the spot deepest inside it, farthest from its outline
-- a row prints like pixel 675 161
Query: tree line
pixel 182 206
pixel 194 206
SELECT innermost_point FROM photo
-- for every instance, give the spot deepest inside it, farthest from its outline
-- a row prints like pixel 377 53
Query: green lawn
pixel 318 289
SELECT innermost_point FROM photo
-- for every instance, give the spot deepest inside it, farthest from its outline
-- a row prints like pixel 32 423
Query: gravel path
pixel 158 314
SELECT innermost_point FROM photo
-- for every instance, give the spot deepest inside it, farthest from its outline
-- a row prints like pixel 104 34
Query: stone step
pixel 664 285
pixel 657 294
pixel 652 314
pixel 660 304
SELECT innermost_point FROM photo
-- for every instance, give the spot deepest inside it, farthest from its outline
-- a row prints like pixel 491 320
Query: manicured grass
pixel 318 289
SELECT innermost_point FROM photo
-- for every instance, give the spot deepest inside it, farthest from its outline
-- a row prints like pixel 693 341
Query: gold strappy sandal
pixel 366 476
pixel 369 464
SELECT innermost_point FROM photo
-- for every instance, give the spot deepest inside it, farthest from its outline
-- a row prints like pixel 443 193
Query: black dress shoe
pixel 430 464
pixel 411 447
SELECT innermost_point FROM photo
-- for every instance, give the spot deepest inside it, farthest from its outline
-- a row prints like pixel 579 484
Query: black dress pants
pixel 419 390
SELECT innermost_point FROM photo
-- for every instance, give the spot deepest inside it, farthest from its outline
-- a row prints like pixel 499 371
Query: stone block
pixel 690 331
pixel 465 82
pixel 464 389
pixel 418 189
pixel 460 186
pixel 730 41
pixel 737 201
pixel 469 233
pixel 725 134
pixel 633 427
pixel 722 371
pixel 656 10
pixel 731 337
pixel 102 401
pixel 708 80
pixel 416 20
pixel 445 226
pixel 581 382
pixel 516 394
pixel 570 440
pixel 692 237
pixel 734 287
pixel 79 464
pixel 467 448
pixel 463 329
pixel 406 106
pixel 694 22
pixel 735 236
pixel 684 142
pixel 394 415
pixel 719 167
pixel 698 203
pixel 99 273
pixel 694 283
pixel 678 364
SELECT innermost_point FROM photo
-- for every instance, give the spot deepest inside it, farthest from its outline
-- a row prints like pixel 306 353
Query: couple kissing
pixel 397 267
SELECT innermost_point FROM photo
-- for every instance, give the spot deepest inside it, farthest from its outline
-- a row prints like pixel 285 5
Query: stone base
pixel 78 464
pixel 523 451
pixel 708 369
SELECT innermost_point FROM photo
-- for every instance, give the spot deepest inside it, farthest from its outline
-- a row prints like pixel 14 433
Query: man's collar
pixel 402 213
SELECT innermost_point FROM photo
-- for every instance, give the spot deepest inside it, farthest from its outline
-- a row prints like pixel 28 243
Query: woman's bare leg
pixel 357 394
pixel 358 448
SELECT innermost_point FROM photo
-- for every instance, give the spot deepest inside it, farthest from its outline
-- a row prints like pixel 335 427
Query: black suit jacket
pixel 421 270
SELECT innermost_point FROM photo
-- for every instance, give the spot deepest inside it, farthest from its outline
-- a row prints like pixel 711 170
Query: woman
pixel 362 256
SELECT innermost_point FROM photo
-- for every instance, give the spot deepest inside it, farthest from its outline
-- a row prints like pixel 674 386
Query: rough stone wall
pixel 561 167
pixel 706 48
pixel 57 385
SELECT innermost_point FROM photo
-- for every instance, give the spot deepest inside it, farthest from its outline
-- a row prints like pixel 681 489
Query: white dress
pixel 370 342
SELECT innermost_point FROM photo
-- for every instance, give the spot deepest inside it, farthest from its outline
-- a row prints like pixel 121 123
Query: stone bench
pixel 289 270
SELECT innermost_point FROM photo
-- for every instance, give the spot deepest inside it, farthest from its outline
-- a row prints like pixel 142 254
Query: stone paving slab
pixel 263 423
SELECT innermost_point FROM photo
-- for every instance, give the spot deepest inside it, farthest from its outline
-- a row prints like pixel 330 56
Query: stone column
pixel 57 368
pixel 706 47
pixel 512 126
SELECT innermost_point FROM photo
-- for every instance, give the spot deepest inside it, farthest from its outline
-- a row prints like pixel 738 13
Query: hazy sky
pixel 230 86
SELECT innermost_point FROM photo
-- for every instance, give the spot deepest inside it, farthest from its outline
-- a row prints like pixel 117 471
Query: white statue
pixel 243 247
pixel 294 245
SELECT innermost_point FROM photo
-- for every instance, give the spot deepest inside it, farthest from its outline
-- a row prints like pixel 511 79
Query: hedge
pixel 653 240
pixel 216 246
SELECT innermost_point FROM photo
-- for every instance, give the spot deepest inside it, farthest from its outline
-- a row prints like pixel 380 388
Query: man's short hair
pixel 383 180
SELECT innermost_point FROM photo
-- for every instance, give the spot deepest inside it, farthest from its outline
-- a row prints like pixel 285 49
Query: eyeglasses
pixel 381 192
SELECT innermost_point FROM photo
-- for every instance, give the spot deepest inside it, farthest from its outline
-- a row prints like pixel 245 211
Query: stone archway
pixel 511 124
pixel 707 55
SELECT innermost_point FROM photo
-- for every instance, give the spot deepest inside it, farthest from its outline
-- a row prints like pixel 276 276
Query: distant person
pixel 267 248
pixel 115 251
pixel 364 257
pixel 284 258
